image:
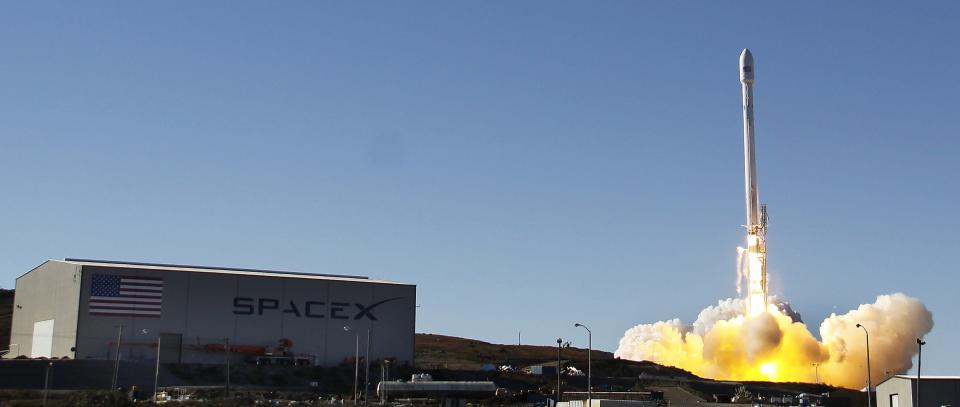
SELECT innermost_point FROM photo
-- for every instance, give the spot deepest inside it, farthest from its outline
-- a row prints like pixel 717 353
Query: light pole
pixel 869 384
pixel 559 341
pixel 46 383
pixel 816 367
pixel 589 363
pixel 116 362
pixel 383 376
pixel 366 369
pixel 226 348
pixel 919 357
pixel 356 365
pixel 156 372
pixel 387 374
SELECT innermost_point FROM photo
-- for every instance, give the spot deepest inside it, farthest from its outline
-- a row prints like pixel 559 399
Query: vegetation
pixel 440 352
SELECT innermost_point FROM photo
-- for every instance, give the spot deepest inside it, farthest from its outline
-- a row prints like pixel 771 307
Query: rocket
pixel 756 265
pixel 749 140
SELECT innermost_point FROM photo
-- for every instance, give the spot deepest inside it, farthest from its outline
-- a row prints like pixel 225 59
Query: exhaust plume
pixel 776 345
pixel 758 337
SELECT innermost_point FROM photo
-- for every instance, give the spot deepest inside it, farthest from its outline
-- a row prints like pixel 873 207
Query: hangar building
pixel 935 391
pixel 78 308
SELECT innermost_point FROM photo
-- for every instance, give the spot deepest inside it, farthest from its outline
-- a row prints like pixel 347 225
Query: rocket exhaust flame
pixel 725 344
pixel 756 276
pixel 758 337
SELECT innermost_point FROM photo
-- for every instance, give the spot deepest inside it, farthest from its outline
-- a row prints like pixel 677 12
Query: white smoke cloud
pixel 723 344
pixel 724 310
pixel 894 322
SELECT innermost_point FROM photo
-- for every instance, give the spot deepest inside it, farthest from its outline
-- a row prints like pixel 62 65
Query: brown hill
pixel 453 353
pixel 453 358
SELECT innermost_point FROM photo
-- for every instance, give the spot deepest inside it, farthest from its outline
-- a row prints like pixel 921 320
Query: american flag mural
pixel 122 296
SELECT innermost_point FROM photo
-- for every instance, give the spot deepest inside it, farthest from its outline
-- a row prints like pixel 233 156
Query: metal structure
pixel 85 309
pixel 756 263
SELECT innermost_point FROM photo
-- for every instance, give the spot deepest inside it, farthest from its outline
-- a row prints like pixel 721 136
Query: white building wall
pixel 49 295
pixel 935 391
pixel 901 387
pixel 203 308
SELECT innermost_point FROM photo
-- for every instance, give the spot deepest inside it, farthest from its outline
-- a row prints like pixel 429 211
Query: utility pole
pixel 156 372
pixel 226 347
pixel 116 362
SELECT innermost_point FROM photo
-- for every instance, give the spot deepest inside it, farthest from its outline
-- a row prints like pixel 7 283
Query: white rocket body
pixel 756 265
pixel 749 150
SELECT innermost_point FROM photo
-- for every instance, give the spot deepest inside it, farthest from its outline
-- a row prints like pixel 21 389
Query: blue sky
pixel 528 165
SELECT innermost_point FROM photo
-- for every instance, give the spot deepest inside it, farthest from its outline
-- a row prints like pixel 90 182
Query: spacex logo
pixel 307 309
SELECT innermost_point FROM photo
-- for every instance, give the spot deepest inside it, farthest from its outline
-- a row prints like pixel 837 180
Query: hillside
pixel 449 352
pixel 453 358
pixel 453 353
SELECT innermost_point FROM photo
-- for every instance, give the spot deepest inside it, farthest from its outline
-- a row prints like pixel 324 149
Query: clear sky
pixel 527 164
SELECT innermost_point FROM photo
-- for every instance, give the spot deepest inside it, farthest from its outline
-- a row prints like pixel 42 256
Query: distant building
pixel 935 391
pixel 75 308
pixel 439 390
pixel 543 369
pixel 607 403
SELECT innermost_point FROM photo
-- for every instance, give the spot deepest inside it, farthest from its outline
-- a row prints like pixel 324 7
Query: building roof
pixel 926 377
pixel 922 377
pixel 220 270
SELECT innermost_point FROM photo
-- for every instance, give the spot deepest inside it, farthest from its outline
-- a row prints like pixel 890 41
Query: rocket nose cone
pixel 746 58
pixel 746 66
